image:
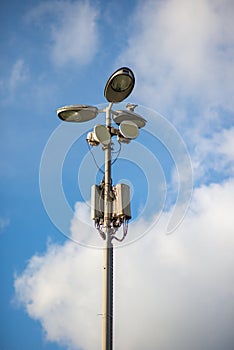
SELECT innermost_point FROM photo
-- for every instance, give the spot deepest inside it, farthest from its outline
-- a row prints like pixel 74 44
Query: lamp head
pixel 77 113
pixel 123 115
pixel 119 85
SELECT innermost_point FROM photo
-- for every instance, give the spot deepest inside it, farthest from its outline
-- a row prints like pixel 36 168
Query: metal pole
pixel 107 318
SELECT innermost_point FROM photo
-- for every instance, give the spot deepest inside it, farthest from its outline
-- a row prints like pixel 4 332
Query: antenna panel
pixel 121 204
pixel 97 205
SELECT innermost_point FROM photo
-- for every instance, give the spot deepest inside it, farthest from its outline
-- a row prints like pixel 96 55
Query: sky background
pixel 172 291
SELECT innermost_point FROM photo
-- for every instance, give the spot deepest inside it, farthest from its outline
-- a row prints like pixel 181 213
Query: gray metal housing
pixel 97 204
pixel 121 204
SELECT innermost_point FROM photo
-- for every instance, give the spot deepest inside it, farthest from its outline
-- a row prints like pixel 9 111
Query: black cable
pixel 118 153
pixel 90 150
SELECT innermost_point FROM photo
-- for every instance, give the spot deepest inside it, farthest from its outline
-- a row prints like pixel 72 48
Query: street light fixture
pixel 110 205
pixel 124 115
pixel 119 85
pixel 77 113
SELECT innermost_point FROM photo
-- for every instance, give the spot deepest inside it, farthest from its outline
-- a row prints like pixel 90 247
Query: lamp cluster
pixel 118 87
pixel 129 124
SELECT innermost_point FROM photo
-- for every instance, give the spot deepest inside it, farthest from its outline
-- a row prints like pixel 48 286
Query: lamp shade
pixel 119 85
pixel 77 113
pixel 123 115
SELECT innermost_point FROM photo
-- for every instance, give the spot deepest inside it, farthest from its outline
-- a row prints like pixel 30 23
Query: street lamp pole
pixel 110 205
pixel 107 314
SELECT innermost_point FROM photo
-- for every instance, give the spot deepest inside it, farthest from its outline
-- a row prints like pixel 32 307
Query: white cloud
pixel 171 292
pixel 76 38
pixel 214 154
pixel 62 290
pixel 18 75
pixel 182 52
pixel 73 31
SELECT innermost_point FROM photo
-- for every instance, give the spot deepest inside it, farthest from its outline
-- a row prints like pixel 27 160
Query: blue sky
pixel 178 293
